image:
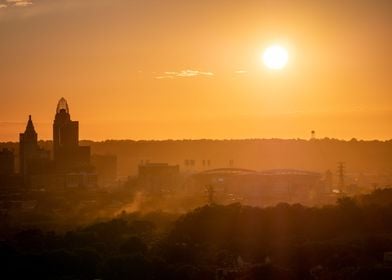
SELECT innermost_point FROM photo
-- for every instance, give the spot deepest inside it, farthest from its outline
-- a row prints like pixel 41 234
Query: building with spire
pixel 70 166
pixel 28 147
pixel 67 154
pixel 33 160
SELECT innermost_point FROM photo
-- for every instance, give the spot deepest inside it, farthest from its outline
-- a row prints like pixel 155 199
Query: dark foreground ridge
pixel 350 240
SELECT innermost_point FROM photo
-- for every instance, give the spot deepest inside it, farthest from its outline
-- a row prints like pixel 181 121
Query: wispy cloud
pixel 184 74
pixel 15 3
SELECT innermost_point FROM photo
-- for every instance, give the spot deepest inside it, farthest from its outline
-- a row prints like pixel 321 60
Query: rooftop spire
pixel 62 105
pixel 30 126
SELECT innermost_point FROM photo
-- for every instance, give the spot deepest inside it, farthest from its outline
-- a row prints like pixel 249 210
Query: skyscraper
pixel 65 131
pixel 32 159
pixel 28 147
pixel 67 153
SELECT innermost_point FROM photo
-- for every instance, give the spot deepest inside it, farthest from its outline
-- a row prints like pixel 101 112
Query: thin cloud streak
pixel 184 74
pixel 19 3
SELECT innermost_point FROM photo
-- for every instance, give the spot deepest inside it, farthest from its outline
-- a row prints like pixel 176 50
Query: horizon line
pixel 354 139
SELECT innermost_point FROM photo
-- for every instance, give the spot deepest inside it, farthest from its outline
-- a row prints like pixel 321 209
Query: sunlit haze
pixel 191 139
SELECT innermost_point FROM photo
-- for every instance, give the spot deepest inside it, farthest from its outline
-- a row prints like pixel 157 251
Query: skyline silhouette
pixel 196 140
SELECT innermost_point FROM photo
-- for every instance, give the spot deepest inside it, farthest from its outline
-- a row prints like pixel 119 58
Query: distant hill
pixel 258 154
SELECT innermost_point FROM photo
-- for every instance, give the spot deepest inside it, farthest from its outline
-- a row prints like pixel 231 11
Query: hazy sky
pixel 158 69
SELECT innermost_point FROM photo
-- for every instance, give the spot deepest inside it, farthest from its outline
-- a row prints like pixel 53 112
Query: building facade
pixel 158 178
pixel 67 154
pixel 28 147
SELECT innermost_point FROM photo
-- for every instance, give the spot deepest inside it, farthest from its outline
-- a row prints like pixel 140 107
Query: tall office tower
pixel 67 153
pixel 28 147
pixel 65 131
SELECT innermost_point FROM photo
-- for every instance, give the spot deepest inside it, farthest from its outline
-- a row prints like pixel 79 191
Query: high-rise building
pixel 67 153
pixel 28 147
pixel 33 161
pixel 65 131
pixel 71 164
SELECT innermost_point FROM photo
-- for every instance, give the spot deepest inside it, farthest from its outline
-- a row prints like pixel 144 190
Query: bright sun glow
pixel 275 57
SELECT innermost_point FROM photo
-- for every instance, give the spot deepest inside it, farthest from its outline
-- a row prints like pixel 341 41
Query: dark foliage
pixel 345 241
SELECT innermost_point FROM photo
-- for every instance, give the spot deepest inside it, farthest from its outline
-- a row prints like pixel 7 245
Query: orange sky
pixel 158 69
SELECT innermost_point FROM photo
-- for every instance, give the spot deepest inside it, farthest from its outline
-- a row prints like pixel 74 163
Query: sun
pixel 275 57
